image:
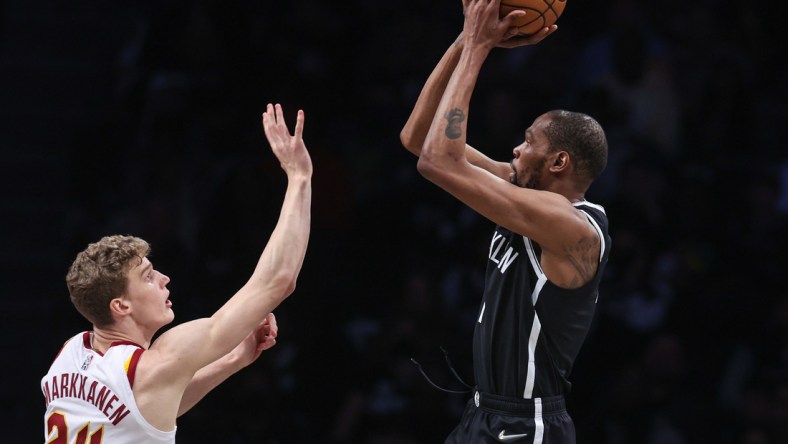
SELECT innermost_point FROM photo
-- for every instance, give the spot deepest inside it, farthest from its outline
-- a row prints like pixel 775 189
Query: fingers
pixel 541 35
pixel 269 331
pixel 513 39
pixel 299 128
pixel 280 120
pixel 265 345
pixel 274 122
pixel 512 16
pixel 511 31
pixel 274 117
pixel 270 323
pixel 269 120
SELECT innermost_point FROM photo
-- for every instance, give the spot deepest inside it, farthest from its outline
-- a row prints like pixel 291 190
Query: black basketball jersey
pixel 529 331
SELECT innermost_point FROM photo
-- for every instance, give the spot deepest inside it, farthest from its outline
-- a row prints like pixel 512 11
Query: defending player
pixel 111 384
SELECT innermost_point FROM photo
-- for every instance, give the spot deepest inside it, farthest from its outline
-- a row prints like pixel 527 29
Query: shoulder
pixel 78 341
pixel 595 213
pixel 597 217
pixel 591 208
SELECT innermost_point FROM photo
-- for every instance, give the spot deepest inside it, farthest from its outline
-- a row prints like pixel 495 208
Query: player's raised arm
pixel 444 142
pixel 414 132
pixel 275 276
pixel 167 368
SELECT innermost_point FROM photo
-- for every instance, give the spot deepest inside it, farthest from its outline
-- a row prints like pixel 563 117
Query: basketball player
pixel 112 384
pixel 547 253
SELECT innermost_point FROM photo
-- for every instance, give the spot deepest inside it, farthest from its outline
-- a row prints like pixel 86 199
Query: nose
pixel 164 279
pixel 516 151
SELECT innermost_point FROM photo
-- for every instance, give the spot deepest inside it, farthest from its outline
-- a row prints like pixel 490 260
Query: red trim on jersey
pixel 124 343
pixel 86 340
pixel 135 358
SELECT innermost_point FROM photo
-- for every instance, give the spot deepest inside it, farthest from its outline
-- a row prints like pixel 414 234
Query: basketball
pixel 539 13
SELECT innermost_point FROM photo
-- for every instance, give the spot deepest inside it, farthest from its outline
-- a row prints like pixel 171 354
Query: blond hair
pixel 100 273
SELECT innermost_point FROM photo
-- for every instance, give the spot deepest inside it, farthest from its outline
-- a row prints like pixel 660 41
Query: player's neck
pixel 102 338
pixel 573 191
pixel 569 192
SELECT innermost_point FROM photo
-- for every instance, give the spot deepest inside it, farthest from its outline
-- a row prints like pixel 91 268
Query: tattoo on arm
pixel 585 258
pixel 455 118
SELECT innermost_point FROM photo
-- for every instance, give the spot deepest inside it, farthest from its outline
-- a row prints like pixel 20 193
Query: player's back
pixel 89 396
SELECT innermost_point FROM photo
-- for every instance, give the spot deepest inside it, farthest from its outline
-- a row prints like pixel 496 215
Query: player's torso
pixel 528 331
pixel 89 397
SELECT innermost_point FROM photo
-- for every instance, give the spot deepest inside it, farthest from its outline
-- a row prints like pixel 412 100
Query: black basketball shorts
pixel 489 419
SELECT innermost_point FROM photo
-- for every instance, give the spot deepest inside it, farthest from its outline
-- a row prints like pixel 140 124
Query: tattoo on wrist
pixel 454 118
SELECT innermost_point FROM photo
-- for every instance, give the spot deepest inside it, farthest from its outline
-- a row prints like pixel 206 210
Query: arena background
pixel 143 117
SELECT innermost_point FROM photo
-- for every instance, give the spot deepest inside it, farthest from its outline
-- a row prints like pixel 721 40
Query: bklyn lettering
pixel 501 252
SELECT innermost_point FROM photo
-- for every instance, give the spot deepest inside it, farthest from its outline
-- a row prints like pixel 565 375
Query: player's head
pixel 583 138
pixel 107 271
pixel 555 140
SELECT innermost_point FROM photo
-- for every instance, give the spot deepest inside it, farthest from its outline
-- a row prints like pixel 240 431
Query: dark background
pixel 143 117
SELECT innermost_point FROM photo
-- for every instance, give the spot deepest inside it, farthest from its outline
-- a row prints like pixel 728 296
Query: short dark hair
pixel 100 274
pixel 582 137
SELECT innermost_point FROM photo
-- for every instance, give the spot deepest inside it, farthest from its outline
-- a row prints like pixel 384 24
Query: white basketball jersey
pixel 89 399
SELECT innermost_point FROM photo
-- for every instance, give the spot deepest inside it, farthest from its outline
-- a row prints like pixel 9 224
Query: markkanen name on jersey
pixel 74 385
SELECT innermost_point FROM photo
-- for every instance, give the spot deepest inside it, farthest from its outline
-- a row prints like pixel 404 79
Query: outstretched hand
pixel 260 339
pixel 289 149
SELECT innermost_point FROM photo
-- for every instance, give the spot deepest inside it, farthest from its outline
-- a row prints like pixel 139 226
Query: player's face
pixel 531 156
pixel 148 295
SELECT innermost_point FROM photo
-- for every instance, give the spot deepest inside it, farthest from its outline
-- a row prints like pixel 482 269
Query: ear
pixel 119 306
pixel 560 162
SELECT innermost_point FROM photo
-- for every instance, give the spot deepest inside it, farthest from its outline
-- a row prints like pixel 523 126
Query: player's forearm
pixel 445 144
pixel 283 256
pixel 416 128
pixel 275 275
pixel 207 379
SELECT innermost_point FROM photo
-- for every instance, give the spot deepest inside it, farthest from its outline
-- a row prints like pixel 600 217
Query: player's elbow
pixel 284 284
pixel 290 287
pixel 440 166
pixel 409 142
pixel 405 138
pixel 428 166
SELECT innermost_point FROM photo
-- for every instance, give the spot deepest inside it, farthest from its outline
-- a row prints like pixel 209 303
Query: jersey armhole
pixel 599 233
pixel 131 365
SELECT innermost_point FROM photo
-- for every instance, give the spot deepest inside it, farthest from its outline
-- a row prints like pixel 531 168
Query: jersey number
pixel 58 421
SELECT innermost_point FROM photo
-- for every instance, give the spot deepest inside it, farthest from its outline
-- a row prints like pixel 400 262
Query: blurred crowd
pixel 690 342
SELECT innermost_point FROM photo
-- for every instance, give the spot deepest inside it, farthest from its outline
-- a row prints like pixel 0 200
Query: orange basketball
pixel 539 13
